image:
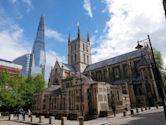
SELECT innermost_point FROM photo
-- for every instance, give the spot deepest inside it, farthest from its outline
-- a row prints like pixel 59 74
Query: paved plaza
pixel 149 117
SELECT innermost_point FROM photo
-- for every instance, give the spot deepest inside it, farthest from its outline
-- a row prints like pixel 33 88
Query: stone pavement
pixel 149 117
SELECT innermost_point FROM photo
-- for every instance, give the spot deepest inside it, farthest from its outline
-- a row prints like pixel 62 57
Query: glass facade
pixel 38 51
pixel 26 62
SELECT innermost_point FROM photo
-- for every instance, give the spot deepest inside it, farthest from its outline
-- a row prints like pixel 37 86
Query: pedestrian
pixel 29 112
pixel 114 110
pixel 22 112
pixel 23 115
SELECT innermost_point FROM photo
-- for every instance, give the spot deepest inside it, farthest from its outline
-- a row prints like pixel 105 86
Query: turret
pixel 79 36
pixel 88 39
pixel 69 38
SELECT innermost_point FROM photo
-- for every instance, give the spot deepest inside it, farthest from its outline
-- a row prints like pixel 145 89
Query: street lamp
pixel 81 94
pixel 157 73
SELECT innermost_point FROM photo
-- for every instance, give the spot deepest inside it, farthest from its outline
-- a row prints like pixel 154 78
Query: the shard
pixel 38 51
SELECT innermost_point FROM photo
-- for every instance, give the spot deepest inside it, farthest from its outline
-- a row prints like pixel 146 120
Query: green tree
pixel 17 91
pixel 9 93
pixel 160 64
pixel 159 59
pixel 33 85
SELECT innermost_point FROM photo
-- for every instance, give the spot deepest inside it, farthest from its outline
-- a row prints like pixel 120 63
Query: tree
pixel 160 64
pixel 34 85
pixel 159 59
pixel 9 91
pixel 17 91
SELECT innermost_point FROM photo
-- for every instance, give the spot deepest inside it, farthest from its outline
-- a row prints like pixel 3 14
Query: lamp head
pixel 139 46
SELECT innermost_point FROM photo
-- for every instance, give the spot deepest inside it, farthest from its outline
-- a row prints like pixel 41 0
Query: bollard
pixel 145 108
pixel 137 110
pixel 10 116
pixel 32 118
pixel 142 109
pixel 63 120
pixel 19 116
pixel 124 113
pixel 81 120
pixel 157 106
pixel 132 112
pixel 149 107
pixel 26 117
pixel 51 119
pixel 41 118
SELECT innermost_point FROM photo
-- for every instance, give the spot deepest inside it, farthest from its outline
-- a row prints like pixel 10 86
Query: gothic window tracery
pixel 116 71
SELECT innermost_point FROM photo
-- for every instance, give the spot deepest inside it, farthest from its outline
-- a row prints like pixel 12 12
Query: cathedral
pixel 83 88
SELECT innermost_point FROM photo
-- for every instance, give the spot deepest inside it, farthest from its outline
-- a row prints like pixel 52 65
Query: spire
pixel 88 39
pixel 78 26
pixel 41 24
pixel 69 38
pixel 38 50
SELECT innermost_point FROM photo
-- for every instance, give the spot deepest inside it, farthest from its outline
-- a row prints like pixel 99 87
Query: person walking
pixel 29 112
pixel 114 110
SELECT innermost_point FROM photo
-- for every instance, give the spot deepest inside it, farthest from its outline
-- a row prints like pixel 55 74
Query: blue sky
pixel 114 26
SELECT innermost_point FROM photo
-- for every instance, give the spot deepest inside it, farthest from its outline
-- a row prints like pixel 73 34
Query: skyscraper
pixel 38 51
pixel 34 63
pixel 26 62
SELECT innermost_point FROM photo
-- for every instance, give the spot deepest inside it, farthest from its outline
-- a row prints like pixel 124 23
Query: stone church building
pixel 82 88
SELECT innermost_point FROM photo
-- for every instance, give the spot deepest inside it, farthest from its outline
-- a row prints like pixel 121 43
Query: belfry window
pixel 84 58
pixel 75 58
pixel 83 46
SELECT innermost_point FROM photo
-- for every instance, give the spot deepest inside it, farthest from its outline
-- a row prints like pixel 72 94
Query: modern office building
pixel 38 51
pixel 26 62
pixel 11 68
pixel 34 63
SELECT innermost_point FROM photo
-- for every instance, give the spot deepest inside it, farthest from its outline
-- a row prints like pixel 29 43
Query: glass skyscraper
pixel 38 50
pixel 34 63
pixel 26 62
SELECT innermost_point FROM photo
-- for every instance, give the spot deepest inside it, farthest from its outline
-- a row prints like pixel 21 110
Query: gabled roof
pixel 52 89
pixel 117 59
pixel 143 61
pixel 67 67
pixel 76 39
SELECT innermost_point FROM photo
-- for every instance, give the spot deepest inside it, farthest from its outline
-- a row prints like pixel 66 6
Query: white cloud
pixel 87 7
pixel 13 1
pixel 13 43
pixel 11 39
pixel 50 33
pixel 28 3
pixel 51 58
pixel 131 20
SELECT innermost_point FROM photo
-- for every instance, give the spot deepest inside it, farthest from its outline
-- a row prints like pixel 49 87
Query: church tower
pixel 79 51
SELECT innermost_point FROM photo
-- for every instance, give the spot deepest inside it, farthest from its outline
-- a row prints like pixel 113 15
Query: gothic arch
pixel 56 81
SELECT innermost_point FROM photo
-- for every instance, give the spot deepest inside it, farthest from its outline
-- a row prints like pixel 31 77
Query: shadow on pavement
pixel 156 118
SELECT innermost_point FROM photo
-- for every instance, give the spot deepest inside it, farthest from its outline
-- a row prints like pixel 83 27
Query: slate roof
pixel 67 67
pixel 117 59
pixel 143 61
pixel 52 89
pixel 5 60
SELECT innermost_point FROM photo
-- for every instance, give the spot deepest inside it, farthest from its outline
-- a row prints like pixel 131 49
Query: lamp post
pixel 157 73
pixel 81 95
